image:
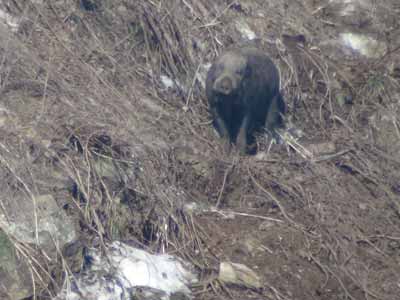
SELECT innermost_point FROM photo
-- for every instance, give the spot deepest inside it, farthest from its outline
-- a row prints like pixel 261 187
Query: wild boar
pixel 242 88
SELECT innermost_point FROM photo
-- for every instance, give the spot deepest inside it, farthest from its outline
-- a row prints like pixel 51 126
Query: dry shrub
pixel 84 87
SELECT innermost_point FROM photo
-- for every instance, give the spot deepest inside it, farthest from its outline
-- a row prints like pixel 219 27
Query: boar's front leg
pixel 222 128
pixel 274 117
pixel 241 140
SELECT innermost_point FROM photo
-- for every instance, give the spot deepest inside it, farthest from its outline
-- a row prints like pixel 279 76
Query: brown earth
pixel 80 87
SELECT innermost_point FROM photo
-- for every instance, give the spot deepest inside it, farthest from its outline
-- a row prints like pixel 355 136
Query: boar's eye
pixel 240 72
pixel 244 72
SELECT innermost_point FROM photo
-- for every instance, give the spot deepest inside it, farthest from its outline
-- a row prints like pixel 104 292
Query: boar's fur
pixel 242 88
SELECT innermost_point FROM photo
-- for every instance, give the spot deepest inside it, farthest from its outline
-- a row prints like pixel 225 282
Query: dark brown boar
pixel 242 88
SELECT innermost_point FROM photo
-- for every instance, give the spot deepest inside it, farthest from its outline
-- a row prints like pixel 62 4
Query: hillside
pixel 105 135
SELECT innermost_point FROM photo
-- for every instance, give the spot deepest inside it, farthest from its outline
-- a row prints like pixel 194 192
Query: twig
pixel 193 82
pixel 330 156
pixel 246 215
pixel 282 209
pixel 227 171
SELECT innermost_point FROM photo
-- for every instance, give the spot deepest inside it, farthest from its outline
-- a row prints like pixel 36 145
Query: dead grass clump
pixel 89 120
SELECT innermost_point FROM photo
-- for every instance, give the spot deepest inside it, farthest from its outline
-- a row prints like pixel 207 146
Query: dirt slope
pixel 82 86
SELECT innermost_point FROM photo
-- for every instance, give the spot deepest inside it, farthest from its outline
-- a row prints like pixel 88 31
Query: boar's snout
pixel 225 85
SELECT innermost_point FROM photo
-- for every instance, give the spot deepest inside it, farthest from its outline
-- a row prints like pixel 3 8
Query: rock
pixel 15 279
pixel 37 221
pixel 266 225
pixel 238 274
pixel 73 253
pixel 253 246
pixel 105 168
pixel 248 247
pixel 196 208
pixel 353 13
pixel 363 206
pixel 89 5
pixel 385 132
pixel 322 148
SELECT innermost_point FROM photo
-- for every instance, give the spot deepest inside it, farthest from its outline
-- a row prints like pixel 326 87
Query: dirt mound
pixel 103 106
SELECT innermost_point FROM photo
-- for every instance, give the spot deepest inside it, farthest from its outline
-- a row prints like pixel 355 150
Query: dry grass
pixel 85 101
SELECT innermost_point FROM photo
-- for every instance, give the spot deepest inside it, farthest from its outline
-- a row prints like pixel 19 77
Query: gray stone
pixel 15 279
pixel 37 220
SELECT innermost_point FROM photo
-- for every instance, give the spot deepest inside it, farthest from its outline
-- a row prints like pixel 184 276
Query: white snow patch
pixel 170 83
pixel 245 30
pixel 363 44
pixel 123 268
pixel 350 7
pixel 161 272
pixel 167 82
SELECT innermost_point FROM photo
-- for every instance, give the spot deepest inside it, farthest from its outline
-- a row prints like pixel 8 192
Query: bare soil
pixel 80 87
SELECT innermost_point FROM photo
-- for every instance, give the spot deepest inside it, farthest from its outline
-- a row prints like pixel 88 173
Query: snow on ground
pixel 124 269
